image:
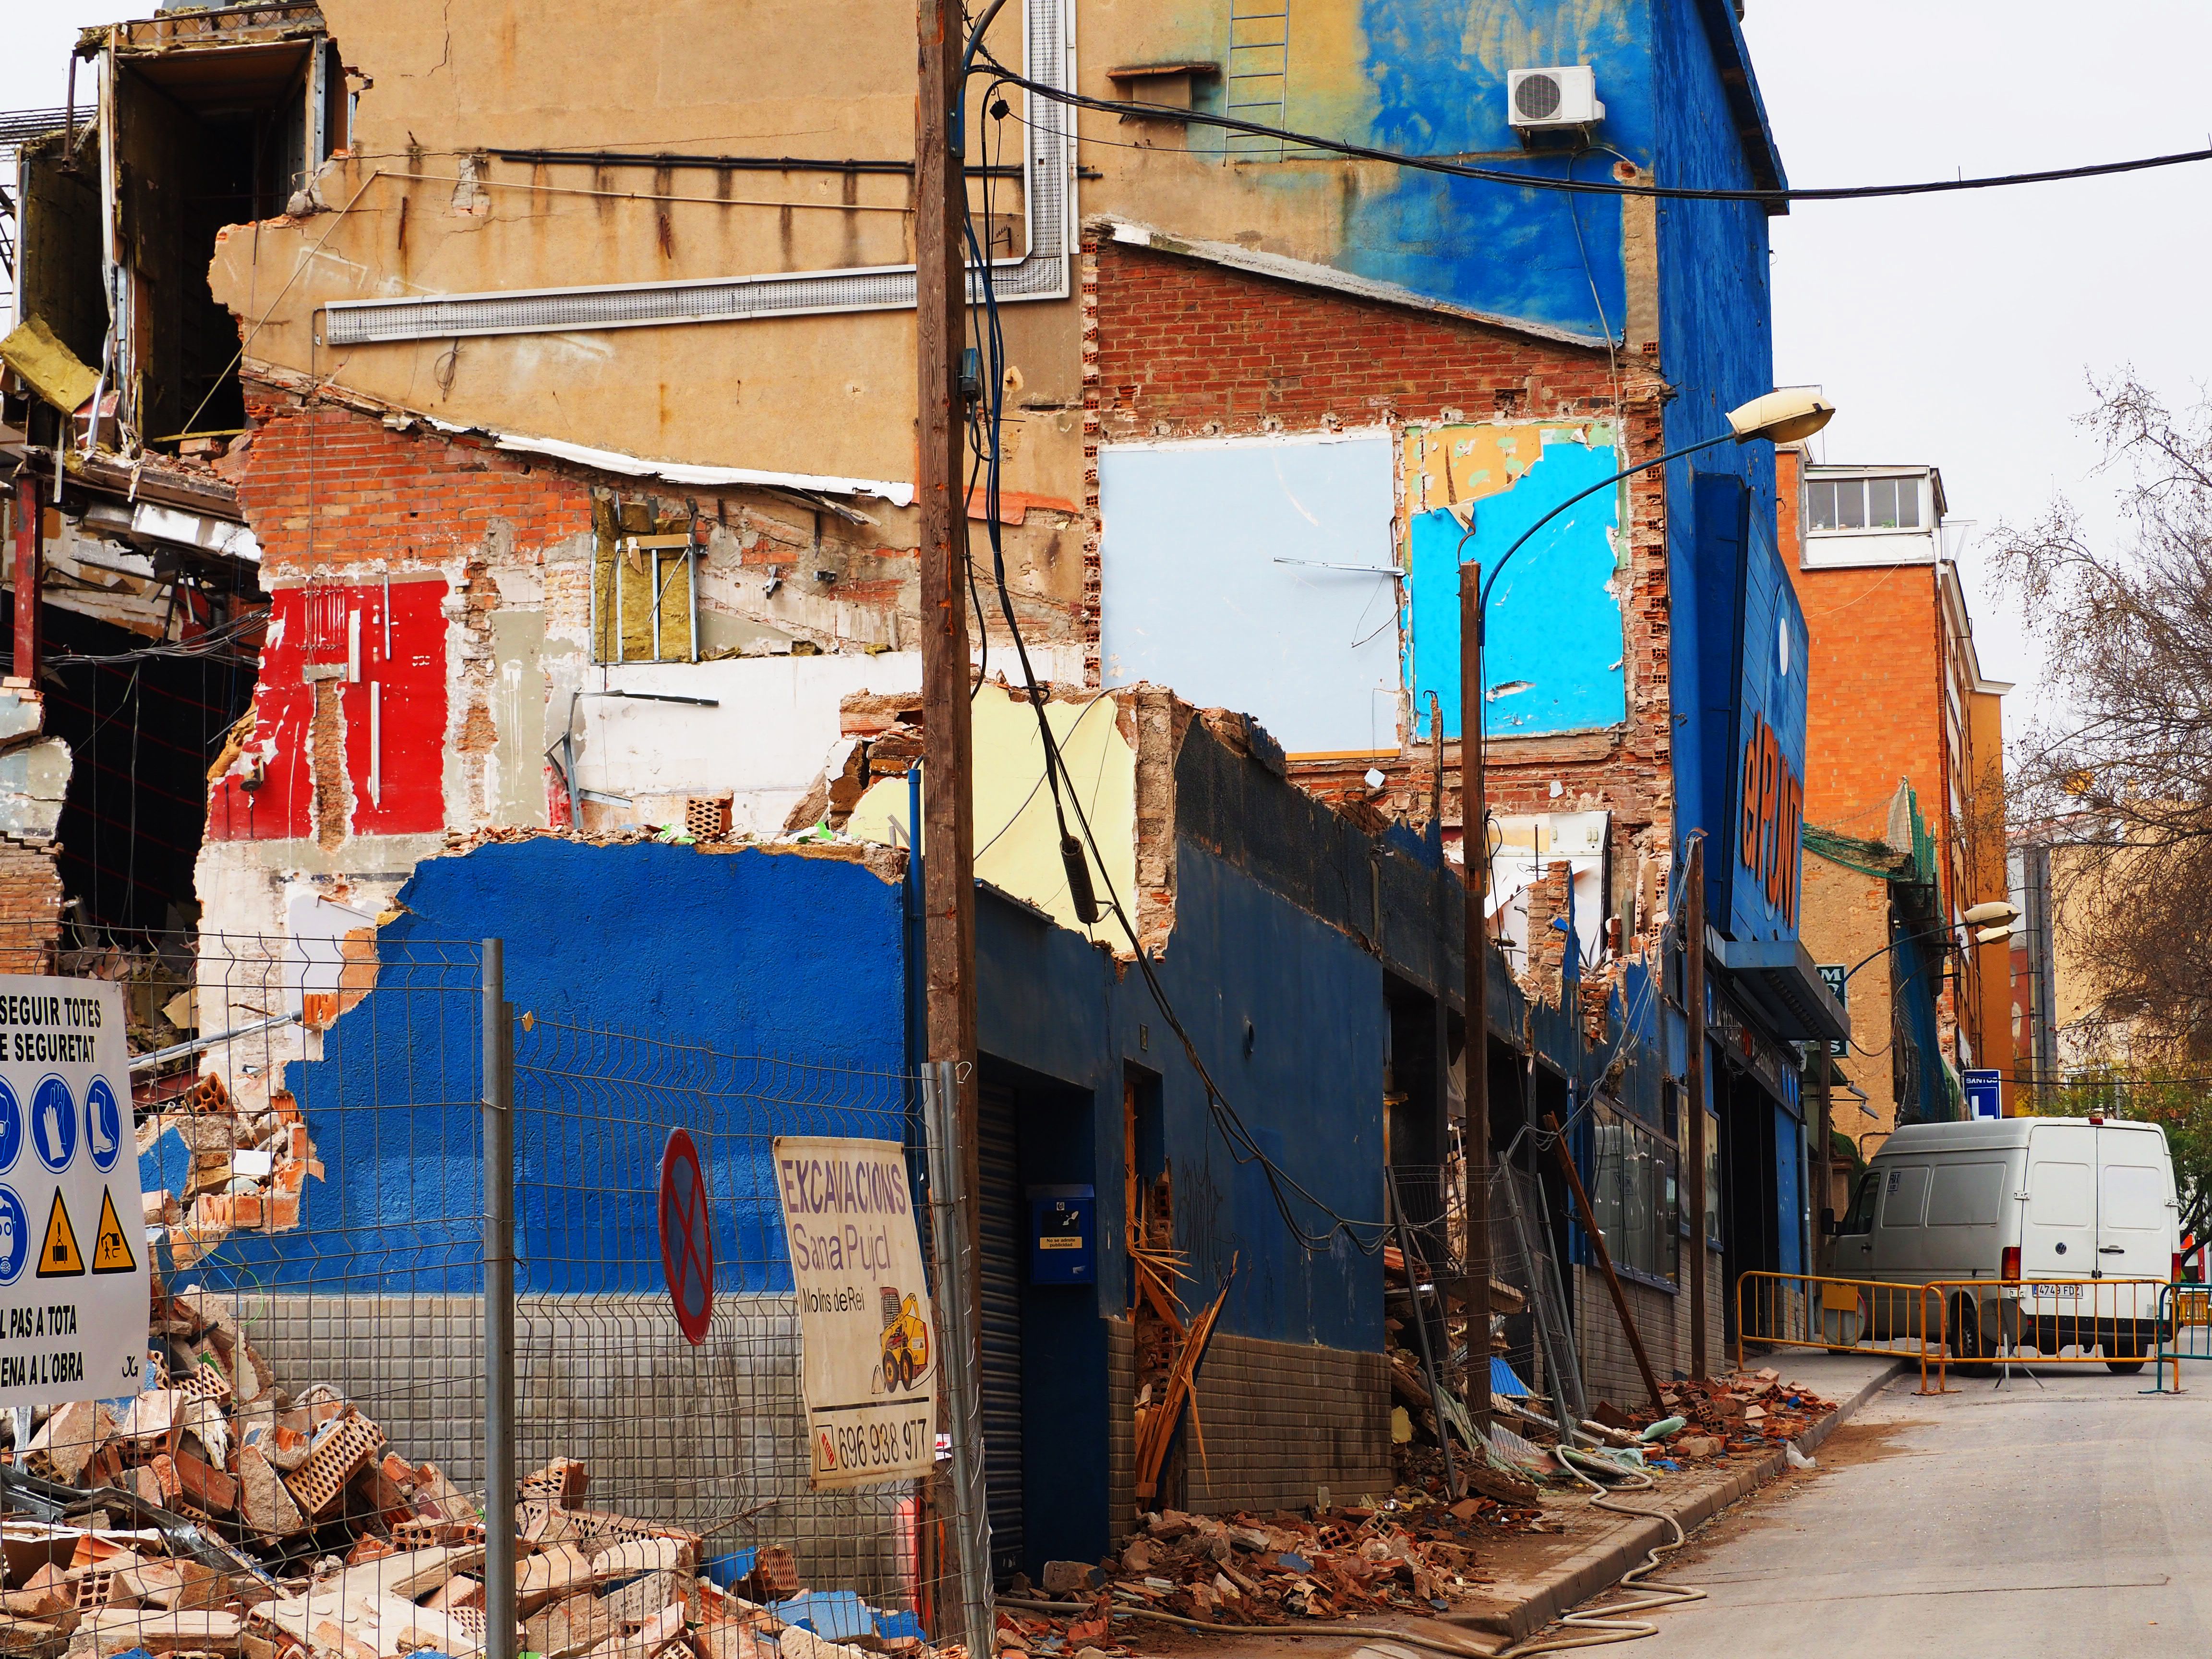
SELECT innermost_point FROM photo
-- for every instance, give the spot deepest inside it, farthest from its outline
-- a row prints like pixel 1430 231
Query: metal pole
pixel 1415 1270
pixel 951 1243
pixel 1691 909
pixel 498 1306
pixel 27 568
pixel 1474 846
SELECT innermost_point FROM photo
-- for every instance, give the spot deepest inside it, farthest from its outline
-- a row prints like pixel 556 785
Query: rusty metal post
pixel 1474 846
pixel 1691 909
pixel 26 576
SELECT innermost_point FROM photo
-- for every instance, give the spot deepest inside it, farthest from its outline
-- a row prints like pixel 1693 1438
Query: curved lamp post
pixel 1778 417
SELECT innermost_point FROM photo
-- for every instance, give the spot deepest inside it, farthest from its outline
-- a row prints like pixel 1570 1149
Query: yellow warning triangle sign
pixel 110 1249
pixel 59 1258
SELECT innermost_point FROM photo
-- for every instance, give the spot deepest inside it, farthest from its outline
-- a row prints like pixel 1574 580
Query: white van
pixel 2020 1200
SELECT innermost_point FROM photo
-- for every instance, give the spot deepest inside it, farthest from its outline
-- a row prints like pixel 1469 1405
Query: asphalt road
pixel 2073 1519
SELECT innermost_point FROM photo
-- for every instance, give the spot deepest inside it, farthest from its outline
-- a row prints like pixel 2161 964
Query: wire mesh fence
pixel 308 1466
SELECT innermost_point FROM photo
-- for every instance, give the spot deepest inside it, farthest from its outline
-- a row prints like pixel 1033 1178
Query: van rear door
pixel 2058 1234
pixel 2135 1217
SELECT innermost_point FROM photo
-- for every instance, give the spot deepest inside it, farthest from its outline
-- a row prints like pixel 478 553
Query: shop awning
pixel 1779 980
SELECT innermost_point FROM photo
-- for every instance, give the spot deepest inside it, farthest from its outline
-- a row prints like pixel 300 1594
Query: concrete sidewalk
pixel 1602 1546
pixel 1540 1577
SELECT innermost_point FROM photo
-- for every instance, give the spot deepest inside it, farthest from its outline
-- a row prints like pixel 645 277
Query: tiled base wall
pixel 696 1435
pixel 1280 1419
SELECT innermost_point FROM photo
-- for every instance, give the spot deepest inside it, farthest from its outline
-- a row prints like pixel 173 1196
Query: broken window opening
pixel 203 134
pixel 141 732
pixel 644 585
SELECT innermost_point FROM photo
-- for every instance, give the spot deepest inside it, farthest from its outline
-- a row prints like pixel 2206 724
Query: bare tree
pixel 2120 765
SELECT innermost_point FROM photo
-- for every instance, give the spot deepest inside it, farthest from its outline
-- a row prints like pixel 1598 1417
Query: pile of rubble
pixel 219 1515
pixel 1751 1411
pixel 1408 1556
pixel 209 1166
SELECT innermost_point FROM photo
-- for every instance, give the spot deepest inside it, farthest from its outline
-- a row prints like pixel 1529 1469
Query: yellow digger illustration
pixel 906 1340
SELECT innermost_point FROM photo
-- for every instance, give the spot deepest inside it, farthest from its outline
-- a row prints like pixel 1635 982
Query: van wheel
pixel 2123 1367
pixel 1966 1348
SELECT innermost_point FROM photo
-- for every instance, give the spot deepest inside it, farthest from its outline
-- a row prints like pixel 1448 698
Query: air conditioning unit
pixel 1540 99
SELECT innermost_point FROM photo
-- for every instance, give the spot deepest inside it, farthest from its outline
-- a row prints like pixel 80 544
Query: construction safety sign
pixel 867 1345
pixel 72 1230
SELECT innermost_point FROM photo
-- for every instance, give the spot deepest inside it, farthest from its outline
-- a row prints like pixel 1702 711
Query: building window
pixel 1863 503
pixel 1632 1194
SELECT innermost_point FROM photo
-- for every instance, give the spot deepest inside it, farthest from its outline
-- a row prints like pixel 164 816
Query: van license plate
pixel 2070 1292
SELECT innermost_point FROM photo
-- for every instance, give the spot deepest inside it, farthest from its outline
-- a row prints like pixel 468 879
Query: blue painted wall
pixel 1553 658
pixel 1716 331
pixel 751 953
pixel 1433 81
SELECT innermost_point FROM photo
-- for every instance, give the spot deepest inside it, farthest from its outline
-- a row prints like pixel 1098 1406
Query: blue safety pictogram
pixel 53 1123
pixel 103 1125
pixel 15 1236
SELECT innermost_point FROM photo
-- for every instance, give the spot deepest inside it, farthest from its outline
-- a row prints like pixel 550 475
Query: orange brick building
pixel 1897 702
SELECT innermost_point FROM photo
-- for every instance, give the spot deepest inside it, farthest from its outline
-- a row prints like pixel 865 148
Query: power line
pixel 1451 168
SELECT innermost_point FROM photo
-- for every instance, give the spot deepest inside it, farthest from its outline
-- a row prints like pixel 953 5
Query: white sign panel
pixel 72 1234
pixel 867 1347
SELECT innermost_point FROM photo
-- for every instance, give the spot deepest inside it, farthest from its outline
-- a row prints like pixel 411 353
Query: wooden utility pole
pixel 1474 846
pixel 947 841
pixel 1691 909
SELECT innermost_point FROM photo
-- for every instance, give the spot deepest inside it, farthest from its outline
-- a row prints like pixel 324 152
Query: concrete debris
pixel 350 1552
pixel 1408 1554
pixel 209 1166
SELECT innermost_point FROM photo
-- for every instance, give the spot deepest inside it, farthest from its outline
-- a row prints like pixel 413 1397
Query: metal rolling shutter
pixel 1002 1329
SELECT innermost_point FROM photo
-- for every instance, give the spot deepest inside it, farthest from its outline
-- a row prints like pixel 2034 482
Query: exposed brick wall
pixel 1176 347
pixel 30 907
pixel 325 487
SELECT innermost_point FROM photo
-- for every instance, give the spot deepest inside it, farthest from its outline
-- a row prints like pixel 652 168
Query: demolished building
pixel 547 451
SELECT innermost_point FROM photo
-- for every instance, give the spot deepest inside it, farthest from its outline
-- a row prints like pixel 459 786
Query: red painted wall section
pixel 392 704
pixel 404 747
pixel 269 794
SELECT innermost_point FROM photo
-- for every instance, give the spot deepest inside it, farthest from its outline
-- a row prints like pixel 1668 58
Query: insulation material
pixel 1553 650
pixel 48 367
pixel 637 582
pixel 1257 575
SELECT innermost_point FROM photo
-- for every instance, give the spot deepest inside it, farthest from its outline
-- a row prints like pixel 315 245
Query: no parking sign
pixel 72 1233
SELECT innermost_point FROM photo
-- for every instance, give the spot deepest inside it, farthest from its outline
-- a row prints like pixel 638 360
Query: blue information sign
pixel 1985 1093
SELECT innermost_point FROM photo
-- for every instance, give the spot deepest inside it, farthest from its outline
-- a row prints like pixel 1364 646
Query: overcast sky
pixel 1958 330
pixel 1961 330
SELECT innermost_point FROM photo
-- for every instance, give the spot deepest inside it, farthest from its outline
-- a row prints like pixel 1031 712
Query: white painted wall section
pixel 1256 574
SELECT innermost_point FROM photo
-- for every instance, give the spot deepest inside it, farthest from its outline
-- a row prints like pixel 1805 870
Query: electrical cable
pixel 1585 187
pixel 1285 1191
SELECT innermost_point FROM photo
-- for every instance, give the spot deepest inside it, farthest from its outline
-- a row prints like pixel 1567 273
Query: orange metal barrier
pixel 1979 1324
pixel 1811 1310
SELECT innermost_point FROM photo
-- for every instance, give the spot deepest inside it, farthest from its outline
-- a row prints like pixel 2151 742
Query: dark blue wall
pixel 1309 1092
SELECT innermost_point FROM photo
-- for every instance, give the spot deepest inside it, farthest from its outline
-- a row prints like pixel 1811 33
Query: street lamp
pixel 1779 416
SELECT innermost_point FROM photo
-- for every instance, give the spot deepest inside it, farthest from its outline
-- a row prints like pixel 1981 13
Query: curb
pixel 1599 1569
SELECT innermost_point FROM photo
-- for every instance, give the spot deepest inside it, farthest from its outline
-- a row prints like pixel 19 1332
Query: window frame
pixel 1923 523
pixel 1615 1184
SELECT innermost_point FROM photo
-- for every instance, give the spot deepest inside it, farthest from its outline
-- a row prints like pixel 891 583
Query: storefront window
pixel 1633 1195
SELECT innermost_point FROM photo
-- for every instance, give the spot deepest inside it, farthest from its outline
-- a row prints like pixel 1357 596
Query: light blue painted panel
pixel 1196 593
pixel 1553 646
